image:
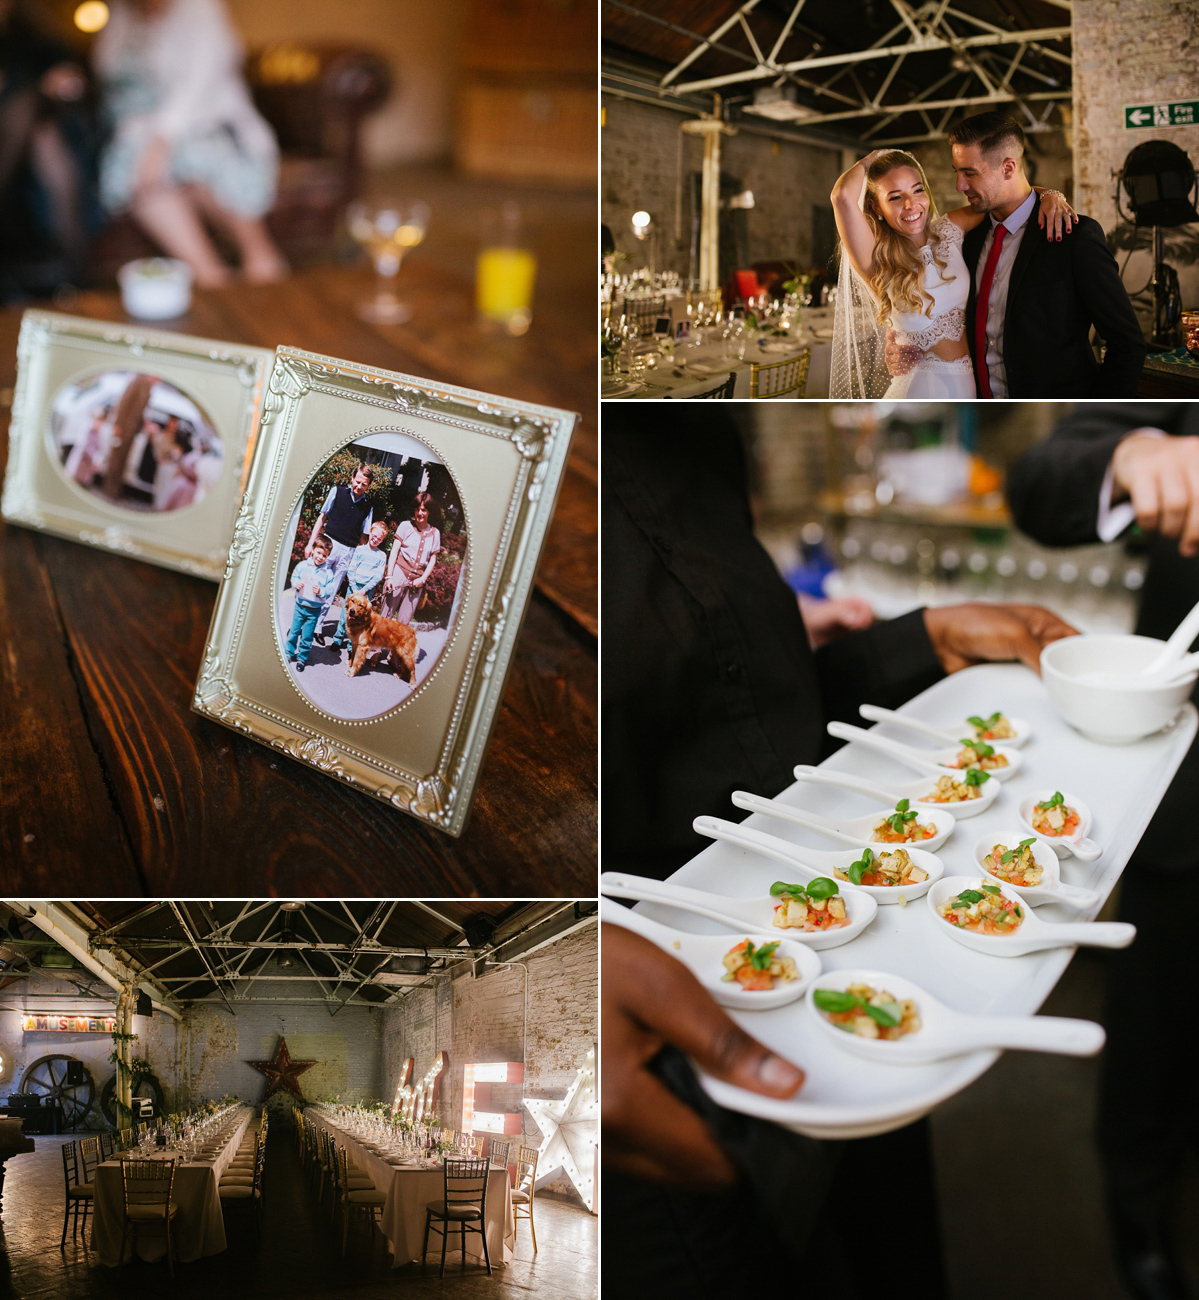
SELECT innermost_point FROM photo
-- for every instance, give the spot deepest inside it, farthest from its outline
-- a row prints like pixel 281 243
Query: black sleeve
pixel 1098 285
pixel 1053 489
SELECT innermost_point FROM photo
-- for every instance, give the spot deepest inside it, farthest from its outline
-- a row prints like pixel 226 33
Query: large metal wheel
pixel 147 1085
pixel 48 1078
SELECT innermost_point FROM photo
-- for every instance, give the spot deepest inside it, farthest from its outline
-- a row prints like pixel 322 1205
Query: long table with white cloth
pixel 410 1189
pixel 198 1227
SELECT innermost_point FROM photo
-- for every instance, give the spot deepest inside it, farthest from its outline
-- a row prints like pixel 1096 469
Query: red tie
pixel 980 314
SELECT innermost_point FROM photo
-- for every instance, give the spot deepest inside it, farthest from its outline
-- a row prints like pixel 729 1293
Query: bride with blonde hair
pixel 903 281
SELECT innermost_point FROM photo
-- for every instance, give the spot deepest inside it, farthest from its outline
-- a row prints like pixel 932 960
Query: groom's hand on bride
pixel 963 635
pixel 1161 477
pixel 900 357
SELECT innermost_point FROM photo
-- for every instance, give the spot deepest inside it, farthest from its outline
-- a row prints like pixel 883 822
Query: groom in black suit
pixel 1033 301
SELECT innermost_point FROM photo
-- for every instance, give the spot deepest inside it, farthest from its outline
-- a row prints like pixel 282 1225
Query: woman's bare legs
pixel 261 261
pixel 169 216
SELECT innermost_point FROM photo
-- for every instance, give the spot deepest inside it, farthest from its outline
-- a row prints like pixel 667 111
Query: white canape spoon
pixel 1033 934
pixel 1052 888
pixel 944 1032
pixel 1079 843
pixel 808 863
pixel 753 914
pixel 1178 644
pixel 933 761
pixel 848 830
pixel 875 713
pixel 909 790
pixel 703 955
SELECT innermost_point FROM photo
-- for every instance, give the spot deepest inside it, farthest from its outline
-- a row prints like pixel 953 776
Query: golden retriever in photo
pixel 370 631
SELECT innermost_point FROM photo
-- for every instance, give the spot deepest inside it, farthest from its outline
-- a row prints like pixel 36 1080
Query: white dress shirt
pixel 997 304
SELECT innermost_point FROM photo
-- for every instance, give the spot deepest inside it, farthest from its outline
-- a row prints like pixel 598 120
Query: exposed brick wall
pixel 484 1020
pixel 1129 52
pixel 641 169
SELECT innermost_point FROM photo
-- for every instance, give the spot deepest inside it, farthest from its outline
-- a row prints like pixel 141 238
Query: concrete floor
pixel 1046 1189
pixel 298 1256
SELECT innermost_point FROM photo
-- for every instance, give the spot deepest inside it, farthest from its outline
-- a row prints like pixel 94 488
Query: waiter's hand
pixel 963 635
pixel 1161 476
pixel 649 999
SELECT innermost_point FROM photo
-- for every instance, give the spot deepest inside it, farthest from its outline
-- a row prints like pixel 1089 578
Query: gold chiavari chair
pixel 522 1193
pixel 778 378
pixel 463 1205
pixel 148 1185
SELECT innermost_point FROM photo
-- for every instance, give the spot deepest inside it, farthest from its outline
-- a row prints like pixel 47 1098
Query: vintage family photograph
pixel 374 575
pixel 135 441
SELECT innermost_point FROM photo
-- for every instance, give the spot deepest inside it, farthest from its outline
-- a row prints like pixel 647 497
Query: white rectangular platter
pixel 844 1096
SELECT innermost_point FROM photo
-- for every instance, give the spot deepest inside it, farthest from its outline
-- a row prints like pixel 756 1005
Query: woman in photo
pixel 188 145
pixel 902 271
pixel 413 555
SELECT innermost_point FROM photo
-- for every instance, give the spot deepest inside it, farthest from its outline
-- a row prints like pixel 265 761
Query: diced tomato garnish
pixel 756 981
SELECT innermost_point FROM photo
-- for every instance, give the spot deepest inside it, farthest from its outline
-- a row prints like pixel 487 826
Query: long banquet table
pixel 410 1190
pixel 198 1228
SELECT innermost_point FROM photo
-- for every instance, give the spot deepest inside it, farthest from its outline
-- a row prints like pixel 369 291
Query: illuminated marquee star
pixel 282 1074
pixel 571 1132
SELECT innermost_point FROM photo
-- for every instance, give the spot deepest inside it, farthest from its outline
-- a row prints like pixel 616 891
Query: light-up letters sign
pixel 419 1102
pixel 54 1023
pixel 477 1116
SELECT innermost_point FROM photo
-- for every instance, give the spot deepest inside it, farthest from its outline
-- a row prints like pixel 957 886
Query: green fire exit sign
pixel 1183 113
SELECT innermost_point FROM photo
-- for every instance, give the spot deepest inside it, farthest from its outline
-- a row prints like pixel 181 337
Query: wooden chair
pixel 497 1152
pixel 522 1193
pixel 777 378
pixel 89 1158
pixel 643 313
pixel 124 1139
pixel 148 1185
pixel 80 1195
pixel 464 1204
pixel 365 1201
pixel 237 1187
pixel 723 391
pixel 108 1145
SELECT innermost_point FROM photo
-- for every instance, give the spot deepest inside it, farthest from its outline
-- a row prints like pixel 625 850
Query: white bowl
pixel 1116 715
pixel 155 288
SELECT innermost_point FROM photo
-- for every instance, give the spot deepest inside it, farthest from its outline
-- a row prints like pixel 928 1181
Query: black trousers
pixel 1149 1087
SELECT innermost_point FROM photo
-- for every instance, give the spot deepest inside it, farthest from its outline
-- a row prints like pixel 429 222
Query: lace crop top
pixel 948 318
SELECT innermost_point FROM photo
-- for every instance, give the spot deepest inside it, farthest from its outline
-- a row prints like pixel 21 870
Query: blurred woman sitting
pixel 187 144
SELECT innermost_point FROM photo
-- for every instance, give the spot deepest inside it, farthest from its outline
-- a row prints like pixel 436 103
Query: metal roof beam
pixel 923 46
pixel 707 43
pixel 175 907
pixel 898 110
pixel 778 45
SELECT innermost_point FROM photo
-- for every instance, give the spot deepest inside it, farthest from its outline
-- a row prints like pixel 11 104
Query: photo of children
pixel 135 441
pixel 372 584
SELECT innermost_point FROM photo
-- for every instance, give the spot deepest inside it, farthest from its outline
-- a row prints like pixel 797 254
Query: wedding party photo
pixel 376 568
pixel 135 441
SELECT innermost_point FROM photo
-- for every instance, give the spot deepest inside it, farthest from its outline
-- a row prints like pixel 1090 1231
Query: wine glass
pixel 387 229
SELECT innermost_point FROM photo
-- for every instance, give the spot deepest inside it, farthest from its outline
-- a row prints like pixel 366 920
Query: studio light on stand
pixel 643 229
pixel 1159 181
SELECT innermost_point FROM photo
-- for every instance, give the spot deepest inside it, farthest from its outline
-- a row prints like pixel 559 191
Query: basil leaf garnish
pixel 822 887
pixel 835 1001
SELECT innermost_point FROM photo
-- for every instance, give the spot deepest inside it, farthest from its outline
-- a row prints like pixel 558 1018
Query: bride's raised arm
pixel 853 225
pixel 1054 215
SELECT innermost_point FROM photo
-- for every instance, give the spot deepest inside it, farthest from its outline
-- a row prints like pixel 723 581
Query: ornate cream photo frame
pixel 188 441
pixel 498 462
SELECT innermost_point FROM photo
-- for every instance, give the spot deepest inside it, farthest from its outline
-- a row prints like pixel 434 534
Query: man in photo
pixel 344 522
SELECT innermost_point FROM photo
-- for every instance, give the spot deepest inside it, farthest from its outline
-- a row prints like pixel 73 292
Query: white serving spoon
pixel 945 735
pixel 703 955
pixel 1079 844
pixel 944 1032
pixel 1052 888
pixel 909 790
pixel 809 863
pixel 752 915
pixel 848 830
pixel 934 761
pixel 1171 661
pixel 1033 934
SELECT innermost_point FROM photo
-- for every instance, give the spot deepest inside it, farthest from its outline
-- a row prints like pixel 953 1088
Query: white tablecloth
pixel 199 1226
pixel 409 1192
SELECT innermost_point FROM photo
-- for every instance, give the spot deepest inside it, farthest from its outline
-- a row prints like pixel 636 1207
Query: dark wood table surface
pixel 110 784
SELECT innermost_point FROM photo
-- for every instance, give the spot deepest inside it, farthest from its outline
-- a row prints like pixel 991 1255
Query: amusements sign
pixel 53 1023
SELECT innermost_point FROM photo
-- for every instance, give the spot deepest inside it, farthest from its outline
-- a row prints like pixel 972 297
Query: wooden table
pixel 110 784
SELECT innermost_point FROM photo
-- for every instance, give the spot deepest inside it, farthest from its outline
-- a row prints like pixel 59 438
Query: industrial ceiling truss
pixel 907 84
pixel 358 953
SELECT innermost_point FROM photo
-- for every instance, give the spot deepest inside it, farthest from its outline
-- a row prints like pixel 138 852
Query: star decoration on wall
pixel 570 1129
pixel 282 1074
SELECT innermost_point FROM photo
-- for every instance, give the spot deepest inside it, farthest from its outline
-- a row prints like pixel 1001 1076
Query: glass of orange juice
pixel 505 275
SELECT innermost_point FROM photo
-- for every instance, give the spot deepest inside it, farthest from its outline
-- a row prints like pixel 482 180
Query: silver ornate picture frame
pixel 499 462
pixel 202 402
